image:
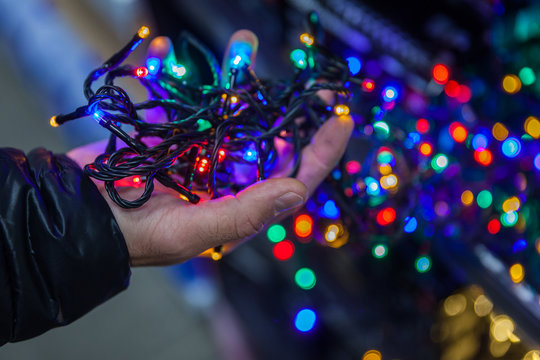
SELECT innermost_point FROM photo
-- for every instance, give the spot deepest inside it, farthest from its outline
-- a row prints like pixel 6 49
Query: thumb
pixel 238 217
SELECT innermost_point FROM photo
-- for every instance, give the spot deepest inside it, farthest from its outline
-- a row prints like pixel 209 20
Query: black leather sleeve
pixel 61 250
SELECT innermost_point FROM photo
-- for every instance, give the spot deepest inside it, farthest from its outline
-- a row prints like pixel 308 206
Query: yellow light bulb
pixel 467 197
pixel 216 255
pixel 511 84
pixel 143 32
pixel 499 131
pixel 517 273
pixel 53 122
pixel 341 110
pixel 532 127
pixel 307 39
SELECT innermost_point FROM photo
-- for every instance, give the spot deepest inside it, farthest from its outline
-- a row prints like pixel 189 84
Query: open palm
pixel 168 230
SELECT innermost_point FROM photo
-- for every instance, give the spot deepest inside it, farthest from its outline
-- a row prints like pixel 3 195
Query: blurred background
pixel 446 298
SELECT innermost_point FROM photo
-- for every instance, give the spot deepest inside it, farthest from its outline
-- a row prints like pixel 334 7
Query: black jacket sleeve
pixel 61 250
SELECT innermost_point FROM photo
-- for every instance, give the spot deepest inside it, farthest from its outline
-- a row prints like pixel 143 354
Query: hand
pixel 168 230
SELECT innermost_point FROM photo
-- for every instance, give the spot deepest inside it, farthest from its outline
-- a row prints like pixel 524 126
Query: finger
pixel 243 43
pixel 324 151
pixel 232 218
pixel 160 53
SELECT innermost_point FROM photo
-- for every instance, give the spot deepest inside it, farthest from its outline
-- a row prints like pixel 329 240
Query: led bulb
pixel 153 65
pixel 143 32
pixel 341 110
pixel 239 54
pixel 53 122
pixel 141 72
pixel 307 39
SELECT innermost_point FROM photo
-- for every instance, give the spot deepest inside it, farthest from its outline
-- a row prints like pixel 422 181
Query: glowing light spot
pixel 441 208
pixel 385 169
pixel 372 186
pixel 307 39
pixel 426 149
pixel 455 304
pixel 511 204
pixel 354 65
pixel 483 156
pixel 498 349
pixel 331 233
pixel 379 251
pixel 537 161
pixel 330 210
pixel 484 199
pixel 353 167
pixel 499 131
pixel 283 250
pixel 439 162
pixel 479 141
pixel 368 85
pixel 511 147
pixel 303 225
pixel 532 355
pixel 423 264
pixel 143 32
pixel 493 226
pixel 452 89
pixel 305 320
pixel 511 84
pixel 53 122
pixel 305 278
pixel 482 306
pixel 519 245
pixel 250 155
pixel 299 58
pixel 467 197
pixel 465 94
pixel 422 126
pixel 153 65
pixel 137 180
pixel 141 71
pixel 178 70
pixel 216 255
pixel 372 355
pixel 386 216
pixel 440 74
pixel 527 76
pixel 509 218
pixel 381 128
pixel 384 156
pixel 276 233
pixel 501 327
pixel 410 224
pixel 532 127
pixel 389 181
pixel 341 110
pixel 389 93
pixel 458 132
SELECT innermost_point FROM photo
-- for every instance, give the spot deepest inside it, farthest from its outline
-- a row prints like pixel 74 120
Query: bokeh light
pixel 440 74
pixel 423 264
pixel 305 320
pixel 511 84
pixel 305 278
pixel 517 273
pixel 276 233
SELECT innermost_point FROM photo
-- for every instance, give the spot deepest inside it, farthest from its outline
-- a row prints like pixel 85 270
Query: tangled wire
pixel 216 132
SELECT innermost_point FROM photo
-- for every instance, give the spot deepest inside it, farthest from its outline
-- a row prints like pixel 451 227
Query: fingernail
pixel 287 202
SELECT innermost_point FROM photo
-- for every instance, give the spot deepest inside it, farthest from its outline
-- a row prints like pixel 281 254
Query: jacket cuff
pixel 63 250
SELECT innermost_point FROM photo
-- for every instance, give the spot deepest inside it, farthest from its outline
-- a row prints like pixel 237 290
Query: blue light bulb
pixel 305 320
pixel 354 64
pixel 153 65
